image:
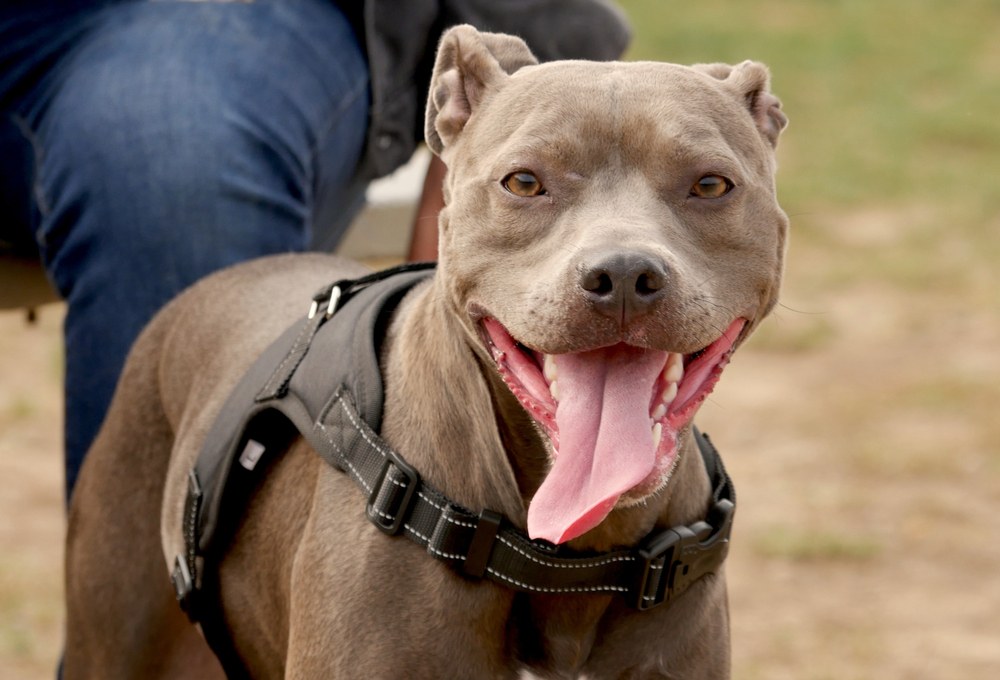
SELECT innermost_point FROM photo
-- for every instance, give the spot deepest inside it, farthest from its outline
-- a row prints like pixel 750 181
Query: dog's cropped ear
pixel 751 81
pixel 468 64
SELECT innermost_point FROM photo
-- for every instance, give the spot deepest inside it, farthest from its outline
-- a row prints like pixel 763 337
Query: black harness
pixel 321 380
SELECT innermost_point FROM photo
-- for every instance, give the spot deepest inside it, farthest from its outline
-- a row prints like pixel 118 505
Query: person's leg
pixel 179 138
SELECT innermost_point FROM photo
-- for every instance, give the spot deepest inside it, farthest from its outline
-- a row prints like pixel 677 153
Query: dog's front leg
pixel 364 605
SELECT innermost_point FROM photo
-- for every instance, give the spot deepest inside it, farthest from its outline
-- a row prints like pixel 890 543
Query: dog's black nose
pixel 623 285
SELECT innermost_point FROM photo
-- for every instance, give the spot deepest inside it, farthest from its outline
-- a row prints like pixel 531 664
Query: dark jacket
pixel 400 37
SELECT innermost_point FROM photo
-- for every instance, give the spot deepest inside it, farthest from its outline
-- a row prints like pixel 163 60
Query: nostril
pixel 649 283
pixel 598 283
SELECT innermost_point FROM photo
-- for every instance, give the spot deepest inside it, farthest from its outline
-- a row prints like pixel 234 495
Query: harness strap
pixel 249 431
pixel 287 392
pixel 486 545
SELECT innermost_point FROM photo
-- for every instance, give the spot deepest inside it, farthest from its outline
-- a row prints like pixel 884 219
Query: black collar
pixel 322 380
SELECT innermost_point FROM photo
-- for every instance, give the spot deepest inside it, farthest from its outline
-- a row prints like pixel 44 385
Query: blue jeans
pixel 168 139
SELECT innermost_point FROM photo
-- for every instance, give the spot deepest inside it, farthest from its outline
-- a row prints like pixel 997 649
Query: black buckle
pixel 392 494
pixel 672 560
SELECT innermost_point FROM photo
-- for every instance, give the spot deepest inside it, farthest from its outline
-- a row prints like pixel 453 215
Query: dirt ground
pixel 31 505
pixel 860 428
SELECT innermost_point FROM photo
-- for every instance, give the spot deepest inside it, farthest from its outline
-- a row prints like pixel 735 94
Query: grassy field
pixel 859 423
pixel 893 154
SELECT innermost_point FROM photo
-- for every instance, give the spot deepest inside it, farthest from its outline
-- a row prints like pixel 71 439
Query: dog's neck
pixel 447 433
pixel 473 440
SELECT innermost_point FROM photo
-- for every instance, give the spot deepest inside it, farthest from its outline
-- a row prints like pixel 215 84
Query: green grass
pixel 20 408
pixel 812 545
pixel 790 332
pixel 23 611
pixel 891 103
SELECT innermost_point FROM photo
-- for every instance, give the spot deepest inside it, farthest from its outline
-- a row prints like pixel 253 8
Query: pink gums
pixel 602 426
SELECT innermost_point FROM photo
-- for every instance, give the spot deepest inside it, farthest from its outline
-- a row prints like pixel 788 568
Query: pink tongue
pixel 605 441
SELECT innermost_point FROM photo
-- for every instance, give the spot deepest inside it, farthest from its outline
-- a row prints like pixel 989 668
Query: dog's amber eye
pixel 523 184
pixel 711 186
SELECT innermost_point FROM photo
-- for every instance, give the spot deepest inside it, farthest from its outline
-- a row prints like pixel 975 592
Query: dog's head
pixel 611 235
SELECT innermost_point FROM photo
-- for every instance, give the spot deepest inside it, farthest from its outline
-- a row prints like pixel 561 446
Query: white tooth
pixel 554 390
pixel 669 393
pixel 675 368
pixel 657 433
pixel 549 368
pixel 660 411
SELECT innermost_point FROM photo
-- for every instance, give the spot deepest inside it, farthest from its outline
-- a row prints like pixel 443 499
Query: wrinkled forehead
pixel 619 83
pixel 637 109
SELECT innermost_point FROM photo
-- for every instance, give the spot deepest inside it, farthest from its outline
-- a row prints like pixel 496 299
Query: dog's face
pixel 627 238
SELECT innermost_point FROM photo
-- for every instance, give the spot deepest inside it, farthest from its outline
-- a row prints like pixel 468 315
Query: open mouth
pixel 612 414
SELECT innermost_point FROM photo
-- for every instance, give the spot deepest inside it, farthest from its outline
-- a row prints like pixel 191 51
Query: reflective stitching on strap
pixel 545 563
pixel 570 565
pixel 292 355
pixel 357 476
pixel 444 511
pixel 357 426
pixel 430 547
pixel 378 512
pixel 383 515
pixel 353 471
pixel 385 454
pixel 568 589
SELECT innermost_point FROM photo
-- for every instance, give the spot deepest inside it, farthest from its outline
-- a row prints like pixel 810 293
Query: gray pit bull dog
pixel 611 236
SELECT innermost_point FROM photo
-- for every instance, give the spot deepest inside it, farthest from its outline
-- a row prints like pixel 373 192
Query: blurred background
pixel 859 423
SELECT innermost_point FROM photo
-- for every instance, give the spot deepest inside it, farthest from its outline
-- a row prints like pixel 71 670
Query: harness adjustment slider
pixel 481 546
pixel 392 494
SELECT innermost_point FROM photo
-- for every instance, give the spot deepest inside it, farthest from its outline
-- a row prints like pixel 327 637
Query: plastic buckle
pixel 674 559
pixel 706 551
pixel 660 562
pixel 654 559
pixel 392 494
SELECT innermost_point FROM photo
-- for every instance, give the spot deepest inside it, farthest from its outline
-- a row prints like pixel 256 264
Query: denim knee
pixel 180 138
pixel 193 152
